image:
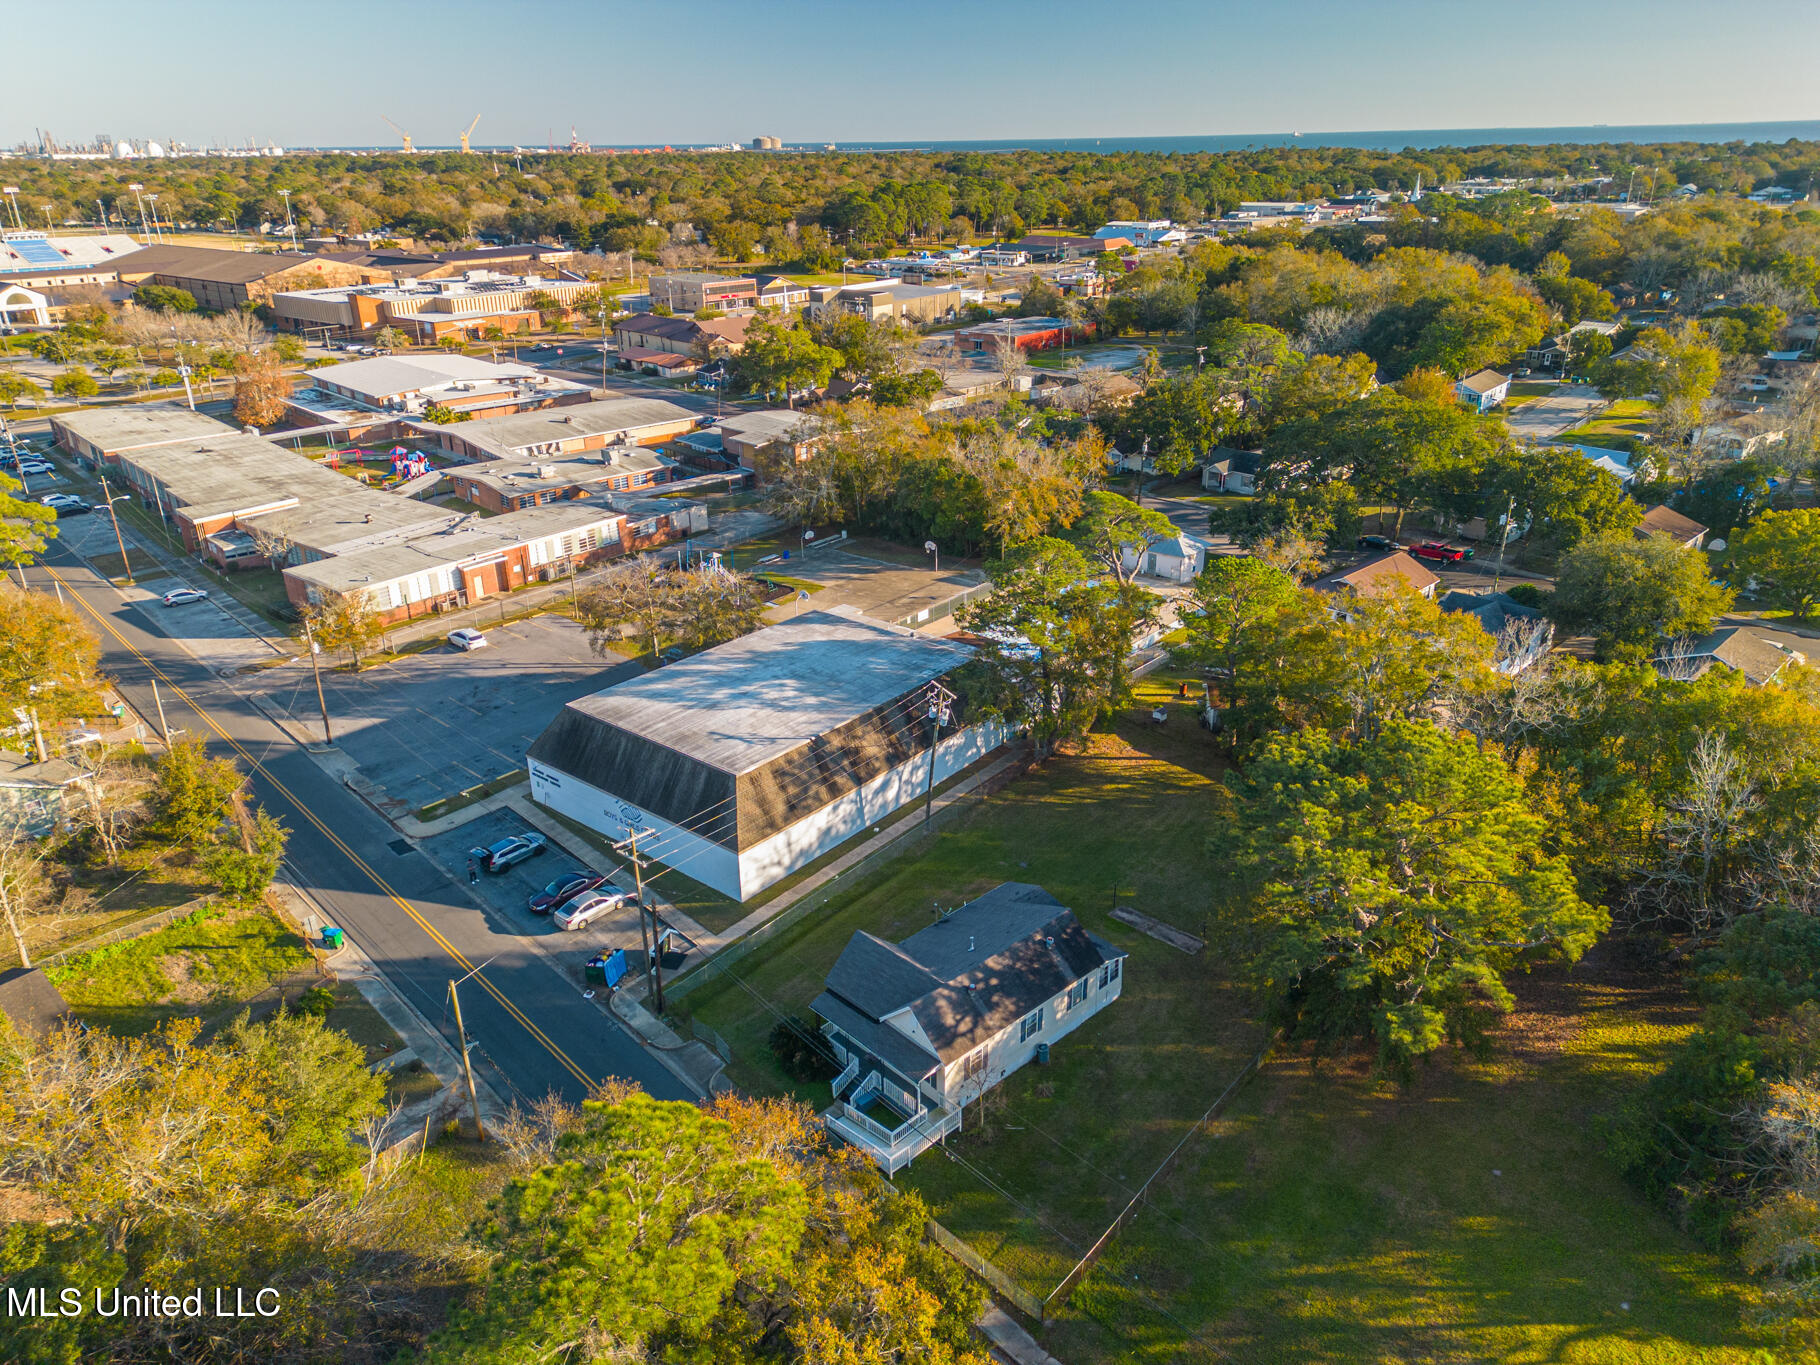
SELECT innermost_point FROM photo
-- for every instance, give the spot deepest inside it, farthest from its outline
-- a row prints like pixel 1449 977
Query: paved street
pixel 421 926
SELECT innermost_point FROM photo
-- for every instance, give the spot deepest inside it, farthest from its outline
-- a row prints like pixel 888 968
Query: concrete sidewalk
pixel 1011 1342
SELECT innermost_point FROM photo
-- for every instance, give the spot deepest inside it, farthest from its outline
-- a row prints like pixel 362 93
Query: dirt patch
pixel 185 989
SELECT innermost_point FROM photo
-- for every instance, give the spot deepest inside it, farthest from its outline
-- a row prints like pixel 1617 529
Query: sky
pixel 325 72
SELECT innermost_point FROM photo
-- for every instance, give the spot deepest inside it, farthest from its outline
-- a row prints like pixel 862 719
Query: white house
pixel 1523 634
pixel 1483 390
pixel 1178 558
pixel 748 760
pixel 923 1027
pixel 1231 471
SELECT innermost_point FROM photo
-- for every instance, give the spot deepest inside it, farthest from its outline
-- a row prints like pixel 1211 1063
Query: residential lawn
pixel 208 967
pixel 908 556
pixel 1531 388
pixel 1334 1217
pixel 1627 417
pixel 1327 1215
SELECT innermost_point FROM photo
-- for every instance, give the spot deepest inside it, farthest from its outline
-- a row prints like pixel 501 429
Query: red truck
pixel 1440 551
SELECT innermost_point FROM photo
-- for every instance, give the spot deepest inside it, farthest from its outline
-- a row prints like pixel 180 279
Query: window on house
pixel 1031 1025
pixel 1077 993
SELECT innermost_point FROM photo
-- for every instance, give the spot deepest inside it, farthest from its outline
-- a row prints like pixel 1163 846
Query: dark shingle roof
pixel 29 1000
pixel 897 1050
pixel 974 973
pixel 1495 610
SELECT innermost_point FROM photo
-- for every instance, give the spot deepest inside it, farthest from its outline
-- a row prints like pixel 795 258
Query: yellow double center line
pixel 567 1062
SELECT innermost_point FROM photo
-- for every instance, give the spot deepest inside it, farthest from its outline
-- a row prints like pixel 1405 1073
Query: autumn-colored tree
pixel 48 657
pixel 260 388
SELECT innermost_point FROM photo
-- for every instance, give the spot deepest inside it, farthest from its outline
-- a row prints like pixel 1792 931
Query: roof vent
pixel 969 942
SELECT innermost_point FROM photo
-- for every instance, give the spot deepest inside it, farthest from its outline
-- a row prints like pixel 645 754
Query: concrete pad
pixel 885 592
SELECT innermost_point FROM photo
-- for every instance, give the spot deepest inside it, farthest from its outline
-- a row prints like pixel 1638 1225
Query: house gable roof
pixel 1663 520
pixel 1758 659
pixel 973 973
pixel 1484 381
pixel 1379 575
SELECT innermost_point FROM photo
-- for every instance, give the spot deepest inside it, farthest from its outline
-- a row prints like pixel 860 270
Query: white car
pixel 465 639
pixel 179 597
pixel 59 500
pixel 584 910
pixel 36 467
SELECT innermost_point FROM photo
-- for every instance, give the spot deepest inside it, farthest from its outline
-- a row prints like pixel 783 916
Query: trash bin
pixel 615 967
pixel 595 972
pixel 1042 1054
pixel 332 938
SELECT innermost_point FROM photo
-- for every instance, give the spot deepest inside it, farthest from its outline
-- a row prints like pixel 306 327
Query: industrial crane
pixel 401 133
pixel 471 127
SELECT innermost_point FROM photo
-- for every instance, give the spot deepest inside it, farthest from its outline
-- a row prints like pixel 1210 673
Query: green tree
pixel 290 347
pixel 1397 880
pixel 1587 352
pixel 1779 559
pixel 634 1240
pixel 1561 496
pixel 25 527
pixel 1236 598
pixel 1678 363
pixel 165 297
pixel 1110 525
pixel 1632 593
pixel 781 354
pixel 75 383
pixel 912 390
pixel 14 387
pixel 1055 641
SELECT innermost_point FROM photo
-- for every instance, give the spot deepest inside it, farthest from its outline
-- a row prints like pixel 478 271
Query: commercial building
pixel 506 485
pixel 924 1027
pixel 205 482
pixel 405 385
pixel 690 291
pixel 751 759
pixel 466 562
pixel 1026 334
pixel 774 435
pixel 223 280
pixel 646 334
pixel 569 430
pixel 1055 246
pixel 919 303
pixel 22 307
pixel 426 310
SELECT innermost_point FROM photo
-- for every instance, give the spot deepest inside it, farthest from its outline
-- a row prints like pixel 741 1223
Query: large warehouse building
pixel 751 759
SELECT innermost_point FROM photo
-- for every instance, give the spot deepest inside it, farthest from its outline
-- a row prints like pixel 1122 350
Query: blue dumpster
pixel 332 937
pixel 616 966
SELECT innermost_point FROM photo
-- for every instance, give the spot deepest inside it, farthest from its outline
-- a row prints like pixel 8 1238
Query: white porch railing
pixel 852 1070
pixel 892 1148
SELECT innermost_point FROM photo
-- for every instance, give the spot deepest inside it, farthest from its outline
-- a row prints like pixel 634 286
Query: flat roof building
pixel 567 430
pixel 428 310
pixel 755 757
pixel 407 384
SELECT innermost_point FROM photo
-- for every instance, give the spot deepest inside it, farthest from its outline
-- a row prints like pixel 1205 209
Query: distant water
pixel 1390 141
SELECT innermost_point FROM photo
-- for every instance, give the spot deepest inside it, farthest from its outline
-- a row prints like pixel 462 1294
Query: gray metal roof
pixel 517 430
pixel 131 426
pixel 389 376
pixel 741 705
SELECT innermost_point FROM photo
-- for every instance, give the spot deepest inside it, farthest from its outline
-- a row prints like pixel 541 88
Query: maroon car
pixel 565 887
pixel 1439 550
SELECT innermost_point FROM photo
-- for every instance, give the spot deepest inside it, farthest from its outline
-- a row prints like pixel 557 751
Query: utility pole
pixel 125 563
pixel 1504 539
pixel 653 946
pixel 316 669
pixel 467 1064
pixel 941 707
pixel 164 726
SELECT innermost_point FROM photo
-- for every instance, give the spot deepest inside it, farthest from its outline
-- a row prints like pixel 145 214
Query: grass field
pixel 207 967
pixel 1327 1215
pixel 1627 417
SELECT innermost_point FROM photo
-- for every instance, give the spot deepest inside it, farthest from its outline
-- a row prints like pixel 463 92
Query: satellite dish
pixel 1716 547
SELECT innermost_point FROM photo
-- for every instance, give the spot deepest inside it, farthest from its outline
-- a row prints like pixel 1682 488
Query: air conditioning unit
pixel 546 471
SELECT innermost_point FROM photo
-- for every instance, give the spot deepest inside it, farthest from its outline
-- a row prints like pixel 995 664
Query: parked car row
pixel 1437 550
pixel 578 898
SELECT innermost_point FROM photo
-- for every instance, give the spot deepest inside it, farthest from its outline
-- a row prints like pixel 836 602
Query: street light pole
pixel 145 233
pixel 289 223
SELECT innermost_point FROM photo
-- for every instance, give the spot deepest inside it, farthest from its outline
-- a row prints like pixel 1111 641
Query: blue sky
pixel 324 71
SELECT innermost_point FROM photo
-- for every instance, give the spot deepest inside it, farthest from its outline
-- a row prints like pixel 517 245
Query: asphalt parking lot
pixel 504 894
pixel 429 725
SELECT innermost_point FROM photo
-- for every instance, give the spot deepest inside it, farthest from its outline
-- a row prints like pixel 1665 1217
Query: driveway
pixel 428 725
pixel 1564 409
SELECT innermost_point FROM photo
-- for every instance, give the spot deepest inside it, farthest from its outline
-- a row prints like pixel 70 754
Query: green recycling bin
pixel 595 972
pixel 332 937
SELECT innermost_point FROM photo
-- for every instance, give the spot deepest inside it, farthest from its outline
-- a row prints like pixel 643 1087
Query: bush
pixel 317 1001
pixel 801 1050
pixel 1527 594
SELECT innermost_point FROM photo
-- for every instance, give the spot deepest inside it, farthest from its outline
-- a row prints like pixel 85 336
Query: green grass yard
pixel 1628 417
pixel 207 967
pixel 1327 1215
